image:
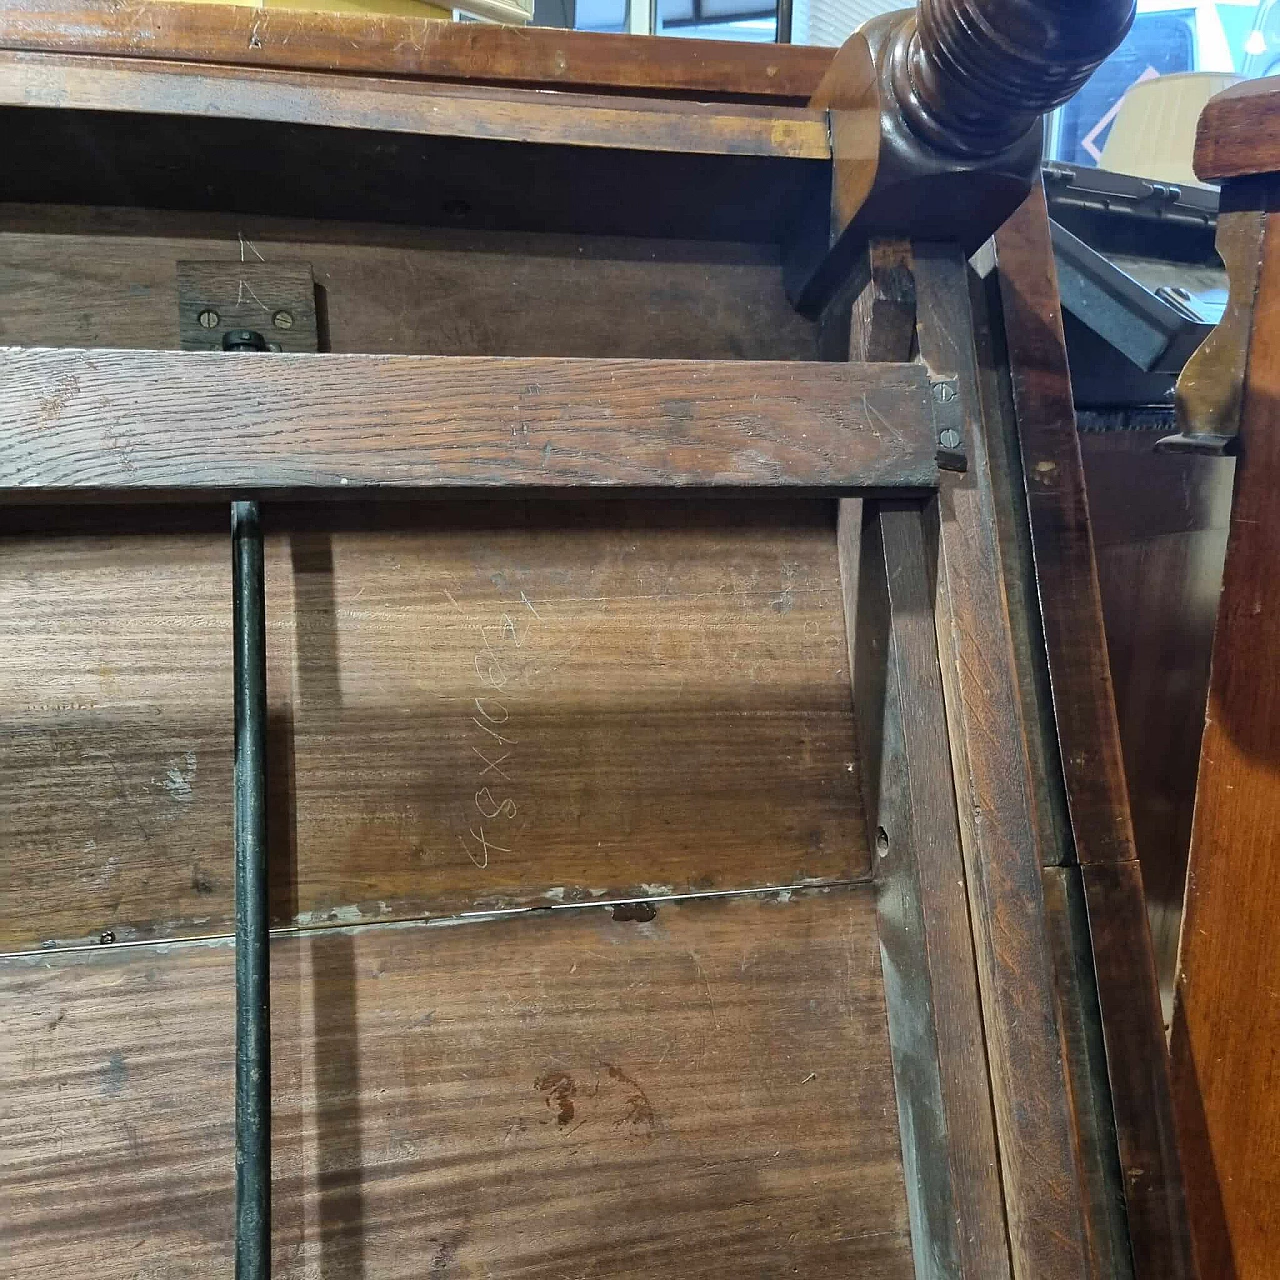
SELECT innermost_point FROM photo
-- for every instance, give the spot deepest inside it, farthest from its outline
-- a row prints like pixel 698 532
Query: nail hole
pixel 882 842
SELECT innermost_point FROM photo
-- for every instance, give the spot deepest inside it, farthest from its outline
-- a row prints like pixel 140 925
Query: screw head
pixel 944 392
pixel 283 319
pixel 949 439
pixel 106 937
pixel 208 318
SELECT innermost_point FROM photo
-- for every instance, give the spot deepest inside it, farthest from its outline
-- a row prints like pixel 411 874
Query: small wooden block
pixel 277 299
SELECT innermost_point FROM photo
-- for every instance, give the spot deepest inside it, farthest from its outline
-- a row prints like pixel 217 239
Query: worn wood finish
pixel 999 834
pixel 470 706
pixel 707 1095
pixel 156 422
pixel 931 990
pixel 1239 131
pixel 86 277
pixel 1089 740
pixel 390 106
pixel 1226 1030
pixel 1160 534
pixel 476 53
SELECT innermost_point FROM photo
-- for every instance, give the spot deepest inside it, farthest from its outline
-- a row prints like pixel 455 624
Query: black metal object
pixel 253 1004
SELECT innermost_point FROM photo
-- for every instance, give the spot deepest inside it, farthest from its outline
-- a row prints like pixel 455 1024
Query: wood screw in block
pixel 949 439
pixel 208 318
pixel 283 319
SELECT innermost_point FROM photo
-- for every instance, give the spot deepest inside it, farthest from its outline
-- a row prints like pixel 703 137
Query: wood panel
pixel 1160 529
pixel 388 106
pixel 624 700
pixel 86 277
pixel 1000 838
pixel 1226 1030
pixel 707 1094
pixel 1238 132
pixel 388 45
pixel 1088 739
pixel 86 422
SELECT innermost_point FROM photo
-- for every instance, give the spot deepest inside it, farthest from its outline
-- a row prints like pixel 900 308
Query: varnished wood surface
pixel 390 106
pixel 162 422
pixel 1226 1031
pixel 707 1094
pixel 1160 532
pixel 421 48
pixel 1238 132
pixel 470 705
pixel 1089 742
pixel 1044 1195
pixel 81 277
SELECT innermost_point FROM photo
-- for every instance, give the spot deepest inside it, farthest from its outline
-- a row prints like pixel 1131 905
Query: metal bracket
pixel 948 423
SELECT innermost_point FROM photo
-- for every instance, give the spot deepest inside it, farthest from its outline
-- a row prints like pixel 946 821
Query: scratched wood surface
pixel 707 1094
pixel 420 48
pixel 470 704
pixel 84 422
pixel 90 277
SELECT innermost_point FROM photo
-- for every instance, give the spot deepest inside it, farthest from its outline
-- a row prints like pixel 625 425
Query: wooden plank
pixel 1238 132
pixel 88 277
pixel 999 832
pixel 150 422
pixel 1226 1030
pixel 388 106
pixel 931 990
pixel 707 1094
pixel 1089 742
pixel 389 45
pixel 1160 534
pixel 671 682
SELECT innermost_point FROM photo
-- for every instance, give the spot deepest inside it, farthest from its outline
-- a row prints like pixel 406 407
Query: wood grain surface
pixel 421 48
pixel 1226 1030
pixel 1044 1196
pixel 1088 739
pixel 390 106
pixel 926 945
pixel 707 1094
pixel 1238 132
pixel 1160 534
pixel 619 700
pixel 88 277
pixel 143 422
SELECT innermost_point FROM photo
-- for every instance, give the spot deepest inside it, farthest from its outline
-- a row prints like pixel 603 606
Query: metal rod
pixel 253 1003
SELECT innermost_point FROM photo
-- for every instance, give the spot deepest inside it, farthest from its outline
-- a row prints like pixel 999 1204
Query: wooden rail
pixel 89 422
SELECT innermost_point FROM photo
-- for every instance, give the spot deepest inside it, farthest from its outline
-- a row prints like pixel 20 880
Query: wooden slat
pixel 388 106
pixel 1226 1029
pixel 84 422
pixel 1239 131
pixel 931 988
pixel 87 277
pixel 999 834
pixel 422 48
pixel 705 1095
pixel 665 689
pixel 1089 744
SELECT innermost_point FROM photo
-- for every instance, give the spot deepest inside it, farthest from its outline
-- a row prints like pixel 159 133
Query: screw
pixel 944 392
pixel 283 319
pixel 208 318
pixel 950 438
pixel 106 937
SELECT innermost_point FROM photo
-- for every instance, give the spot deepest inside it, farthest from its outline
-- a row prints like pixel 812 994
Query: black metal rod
pixel 253 1000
